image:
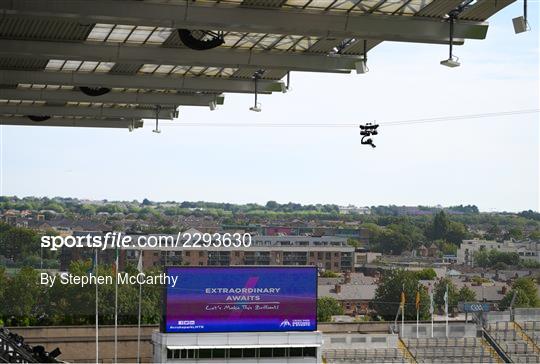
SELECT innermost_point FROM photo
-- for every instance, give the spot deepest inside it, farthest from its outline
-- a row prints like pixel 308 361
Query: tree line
pixel 393 282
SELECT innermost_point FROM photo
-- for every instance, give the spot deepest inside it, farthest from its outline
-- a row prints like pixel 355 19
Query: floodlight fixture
pixel 156 130
pixel 520 23
pixel 256 108
pixel 38 118
pixel 201 40
pixel 212 105
pixel 286 87
pixel 361 66
pixel 94 91
pixel 452 61
pixel 256 105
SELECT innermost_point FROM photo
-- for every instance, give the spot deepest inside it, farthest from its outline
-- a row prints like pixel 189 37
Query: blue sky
pixel 490 162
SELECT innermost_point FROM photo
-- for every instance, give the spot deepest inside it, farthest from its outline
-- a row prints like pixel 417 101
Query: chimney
pixel 503 290
pixel 337 288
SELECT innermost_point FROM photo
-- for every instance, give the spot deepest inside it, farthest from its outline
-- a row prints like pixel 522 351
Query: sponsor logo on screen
pixel 285 323
pixel 188 322
pixel 295 323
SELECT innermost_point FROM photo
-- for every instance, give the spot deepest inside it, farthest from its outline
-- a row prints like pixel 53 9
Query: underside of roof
pixel 112 63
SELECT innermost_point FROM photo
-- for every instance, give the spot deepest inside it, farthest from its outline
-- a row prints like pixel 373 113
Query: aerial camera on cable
pixel 366 131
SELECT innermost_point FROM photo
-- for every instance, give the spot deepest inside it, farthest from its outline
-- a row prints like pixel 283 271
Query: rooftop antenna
pixel 158 109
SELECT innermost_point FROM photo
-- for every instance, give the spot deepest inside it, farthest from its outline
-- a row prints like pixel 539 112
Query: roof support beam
pixel 243 19
pixel 156 98
pixel 218 57
pixel 96 112
pixel 77 79
pixel 86 123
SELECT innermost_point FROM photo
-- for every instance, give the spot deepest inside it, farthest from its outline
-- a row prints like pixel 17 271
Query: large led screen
pixel 239 299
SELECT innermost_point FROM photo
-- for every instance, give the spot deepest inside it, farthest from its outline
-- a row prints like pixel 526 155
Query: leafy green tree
pixel 328 307
pixel 54 206
pixel 529 264
pixel 17 242
pixel 443 229
pixel 530 214
pixel 22 297
pixel 466 294
pixel 3 284
pixel 439 228
pixel 426 274
pixel 493 232
pixel 388 295
pixel 88 210
pixel 456 233
pixel 448 248
pixel 329 274
pixel 521 300
pixel 514 233
pixel 492 258
pixel 481 258
pixel 272 205
pixel 529 287
pixel 526 294
pixel 439 291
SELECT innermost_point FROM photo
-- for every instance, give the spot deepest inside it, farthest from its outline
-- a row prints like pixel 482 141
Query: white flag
pixel 446 301
pixel 139 264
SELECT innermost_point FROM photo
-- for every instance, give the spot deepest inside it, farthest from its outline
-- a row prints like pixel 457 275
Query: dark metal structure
pixel 108 63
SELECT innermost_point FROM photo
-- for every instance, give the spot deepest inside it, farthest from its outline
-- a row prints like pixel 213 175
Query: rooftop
pixel 114 63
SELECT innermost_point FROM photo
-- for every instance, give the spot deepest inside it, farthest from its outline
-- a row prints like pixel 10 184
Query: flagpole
pixel 417 310
pixel 116 308
pixel 139 268
pixel 97 308
pixel 139 327
pixel 432 309
pixel 446 309
pixel 403 321
pixel 417 323
pixel 403 311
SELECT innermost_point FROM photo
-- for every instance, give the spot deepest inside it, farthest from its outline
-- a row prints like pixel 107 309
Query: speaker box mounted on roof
pixel 200 40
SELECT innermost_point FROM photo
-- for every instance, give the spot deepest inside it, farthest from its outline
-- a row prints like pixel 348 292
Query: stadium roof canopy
pixel 110 63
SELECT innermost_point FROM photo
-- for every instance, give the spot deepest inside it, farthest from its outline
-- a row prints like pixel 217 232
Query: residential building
pixel 351 209
pixel 354 298
pixel 366 257
pixel 326 252
pixel 526 249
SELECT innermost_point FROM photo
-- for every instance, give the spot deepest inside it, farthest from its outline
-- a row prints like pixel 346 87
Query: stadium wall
pixel 77 343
